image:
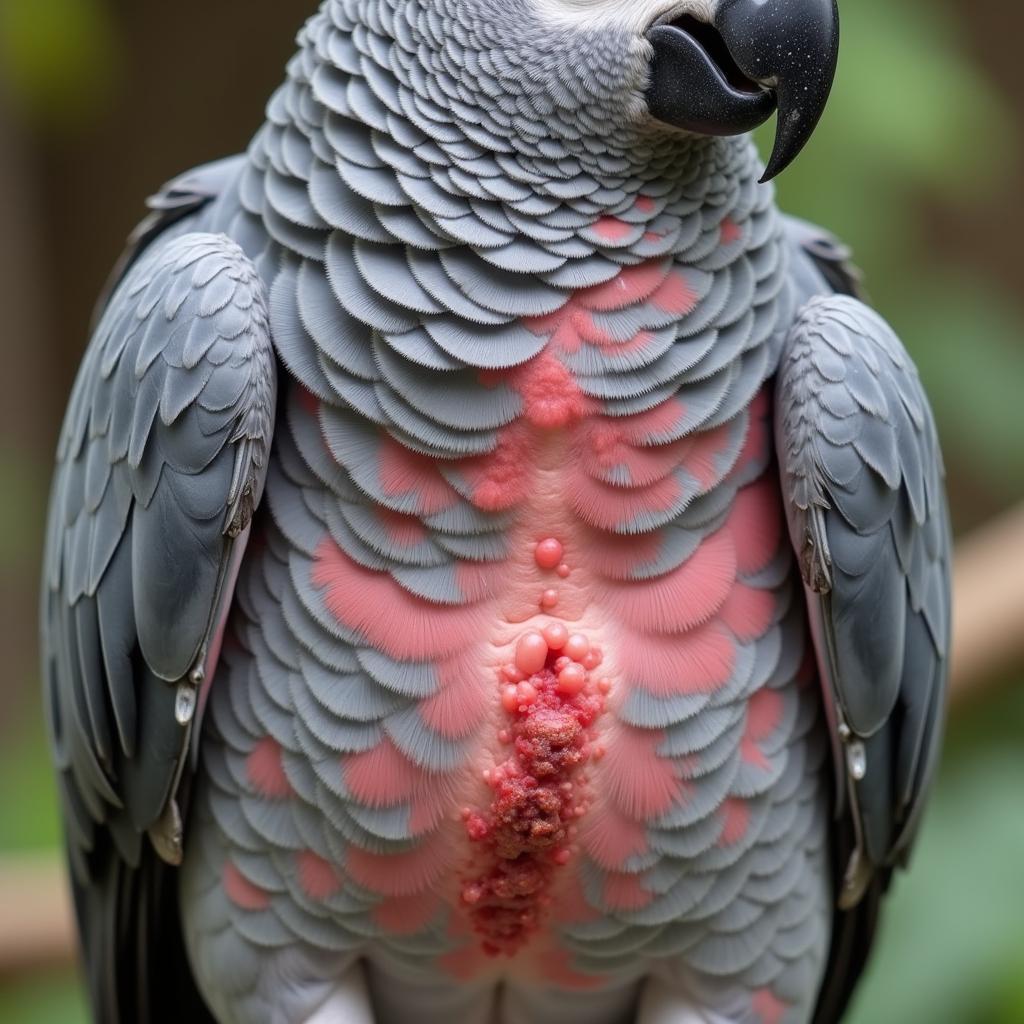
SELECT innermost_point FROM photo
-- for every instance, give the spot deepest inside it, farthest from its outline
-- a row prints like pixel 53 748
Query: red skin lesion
pixel 524 837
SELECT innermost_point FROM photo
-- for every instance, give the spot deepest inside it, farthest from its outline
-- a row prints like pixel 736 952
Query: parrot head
pixel 618 68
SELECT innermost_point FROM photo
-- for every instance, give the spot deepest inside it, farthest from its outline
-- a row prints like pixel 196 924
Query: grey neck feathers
pixel 432 215
pixel 454 133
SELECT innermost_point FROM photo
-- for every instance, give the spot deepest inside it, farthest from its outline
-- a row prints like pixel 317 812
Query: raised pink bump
pixel 548 553
pixel 538 793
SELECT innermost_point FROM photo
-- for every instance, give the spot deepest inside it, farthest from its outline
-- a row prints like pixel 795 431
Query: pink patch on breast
pixel 318 878
pixel 675 295
pixel 757 445
pixel 308 402
pixel 755 523
pixel 572 906
pixel 429 809
pixel 647 428
pixel 700 661
pixel 497 479
pixel 617 557
pixel 736 820
pixel 241 891
pixel 403 473
pixel 610 508
pixel 764 714
pixel 463 964
pixel 628 288
pixel 479 580
pixel 749 613
pixel 767 1005
pixel 384 777
pixel 731 231
pixel 644 204
pixel 406 915
pixel 403 531
pixel 752 754
pixel 457 710
pixel 607 447
pixel 265 771
pixel 391 619
pixel 556 967
pixel 402 874
pixel 704 459
pixel 612 229
pixel 625 892
pixel 635 778
pixel 611 839
pixel 683 599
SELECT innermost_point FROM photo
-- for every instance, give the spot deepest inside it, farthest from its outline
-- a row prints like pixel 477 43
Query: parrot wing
pixel 862 480
pixel 161 464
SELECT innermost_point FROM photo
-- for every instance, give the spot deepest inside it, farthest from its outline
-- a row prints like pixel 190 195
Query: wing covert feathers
pixel 863 481
pixel 161 463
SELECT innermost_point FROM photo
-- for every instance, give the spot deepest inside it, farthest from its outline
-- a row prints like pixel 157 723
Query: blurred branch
pixel 36 931
pixel 988 627
pixel 35 927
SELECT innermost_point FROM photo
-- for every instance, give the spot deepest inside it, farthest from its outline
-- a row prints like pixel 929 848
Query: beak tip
pixel 808 41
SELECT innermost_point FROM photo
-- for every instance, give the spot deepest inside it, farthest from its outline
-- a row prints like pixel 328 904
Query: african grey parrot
pixel 418 574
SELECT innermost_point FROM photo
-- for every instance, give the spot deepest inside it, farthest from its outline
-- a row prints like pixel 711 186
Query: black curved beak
pixel 728 77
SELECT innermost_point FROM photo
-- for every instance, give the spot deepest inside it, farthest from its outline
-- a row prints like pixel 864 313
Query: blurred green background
pixel 918 164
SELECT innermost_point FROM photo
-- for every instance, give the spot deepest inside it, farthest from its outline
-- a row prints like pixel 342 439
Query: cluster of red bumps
pixel 539 791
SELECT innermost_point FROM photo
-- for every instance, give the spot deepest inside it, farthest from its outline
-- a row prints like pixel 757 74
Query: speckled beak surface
pixel 727 76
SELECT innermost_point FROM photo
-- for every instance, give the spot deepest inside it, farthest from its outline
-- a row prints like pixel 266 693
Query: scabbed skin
pixel 517 706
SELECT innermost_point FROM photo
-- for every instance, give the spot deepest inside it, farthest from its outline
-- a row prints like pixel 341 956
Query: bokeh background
pixel 918 165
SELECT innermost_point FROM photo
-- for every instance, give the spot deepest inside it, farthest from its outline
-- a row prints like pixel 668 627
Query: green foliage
pixel 43 1001
pixel 59 57
pixel 952 949
pixel 914 122
pixel 909 117
pixel 28 794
